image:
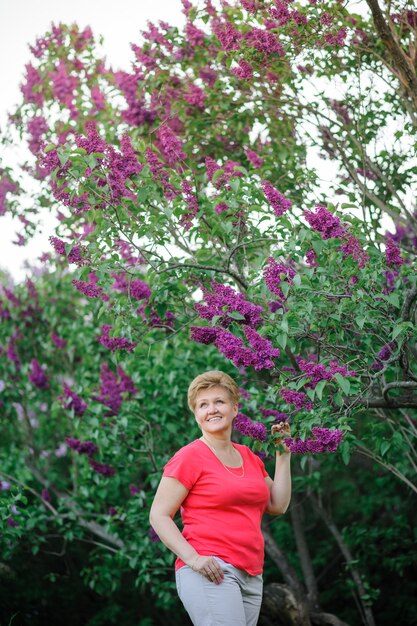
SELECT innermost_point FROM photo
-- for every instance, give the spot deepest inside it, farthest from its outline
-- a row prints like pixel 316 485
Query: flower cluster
pixel 260 357
pixel 228 172
pixel 191 200
pixel 73 401
pixel 82 447
pixel 278 415
pixel 298 398
pixel 114 343
pixel 352 246
pixel 325 222
pixel 170 145
pixel 6 186
pixel 247 427
pixel 195 96
pixel 244 70
pixel 64 86
pixel 275 273
pixel 36 127
pixel 223 301
pixel 89 448
pixel 228 36
pixel 32 88
pixel 159 174
pixel 317 371
pixel 265 42
pixel 37 375
pixel 74 255
pixel 279 203
pixel 326 440
pixel 112 387
pixel 90 289
pixel 135 288
pixel 393 254
pixel 58 341
pixel 254 158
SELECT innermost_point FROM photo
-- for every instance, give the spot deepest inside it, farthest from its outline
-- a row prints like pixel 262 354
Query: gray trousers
pixel 236 601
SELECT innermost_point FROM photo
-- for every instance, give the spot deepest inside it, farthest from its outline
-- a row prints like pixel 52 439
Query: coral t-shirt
pixel 223 510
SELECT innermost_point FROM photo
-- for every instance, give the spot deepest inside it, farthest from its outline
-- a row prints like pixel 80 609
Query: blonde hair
pixel 210 379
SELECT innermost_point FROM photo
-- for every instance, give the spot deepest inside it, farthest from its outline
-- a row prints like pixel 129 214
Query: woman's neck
pixel 221 443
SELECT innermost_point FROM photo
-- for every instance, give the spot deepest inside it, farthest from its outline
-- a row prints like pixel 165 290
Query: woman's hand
pixel 208 567
pixel 282 430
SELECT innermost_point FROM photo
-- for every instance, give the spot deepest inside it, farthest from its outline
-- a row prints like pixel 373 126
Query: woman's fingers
pixel 209 567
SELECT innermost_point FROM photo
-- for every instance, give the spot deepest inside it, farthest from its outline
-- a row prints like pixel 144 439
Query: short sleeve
pixel 185 466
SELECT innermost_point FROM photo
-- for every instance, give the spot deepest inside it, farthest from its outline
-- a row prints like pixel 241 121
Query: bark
pixel 280 608
pixel 296 511
pixel 275 553
pixel 367 615
pixel 401 63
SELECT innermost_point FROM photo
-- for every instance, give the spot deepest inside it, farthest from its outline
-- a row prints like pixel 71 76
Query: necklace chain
pixel 225 466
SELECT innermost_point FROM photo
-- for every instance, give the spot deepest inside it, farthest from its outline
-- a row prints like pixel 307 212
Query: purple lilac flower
pixel 279 203
pixel 114 343
pixel 254 158
pixel 12 522
pixel 45 495
pixel 195 96
pixel 244 393
pixel 265 42
pixel 37 375
pixel 386 351
pixel 58 341
pixel 74 402
pixel 298 398
pixel 170 145
pixel 264 351
pixel 11 353
pixel 82 447
pixel 247 427
pixel 221 208
pixel 61 451
pixel 32 88
pixel 74 256
pixel 194 35
pixel 223 301
pixel 4 485
pixel 228 36
pixel 278 415
pixel 112 511
pixel 203 334
pixel 36 127
pixel 317 371
pixel 275 273
pixel 159 174
pixel 11 297
pixel 244 70
pixel 102 468
pixel 393 253
pixel 91 290
pixel 390 278
pixel 134 490
pixel 112 387
pixel 326 440
pixel 311 258
pixel 352 246
pixel 64 86
pixel 190 198
pixel 325 222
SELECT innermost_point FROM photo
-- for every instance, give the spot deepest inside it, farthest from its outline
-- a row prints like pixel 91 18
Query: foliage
pixel 195 233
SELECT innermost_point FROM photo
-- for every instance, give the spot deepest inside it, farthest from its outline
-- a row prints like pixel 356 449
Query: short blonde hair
pixel 210 379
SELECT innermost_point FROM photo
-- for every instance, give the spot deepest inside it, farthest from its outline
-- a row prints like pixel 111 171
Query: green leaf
pixel 343 383
pixel 320 387
pixel 385 446
pixel 236 315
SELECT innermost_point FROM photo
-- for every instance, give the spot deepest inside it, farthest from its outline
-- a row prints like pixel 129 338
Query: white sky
pixel 21 22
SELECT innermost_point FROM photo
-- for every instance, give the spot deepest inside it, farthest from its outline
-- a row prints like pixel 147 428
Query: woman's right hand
pixel 208 567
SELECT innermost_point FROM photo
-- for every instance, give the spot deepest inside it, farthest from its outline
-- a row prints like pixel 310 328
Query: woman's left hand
pixel 282 430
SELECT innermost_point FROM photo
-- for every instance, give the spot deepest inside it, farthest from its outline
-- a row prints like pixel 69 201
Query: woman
pixel 223 491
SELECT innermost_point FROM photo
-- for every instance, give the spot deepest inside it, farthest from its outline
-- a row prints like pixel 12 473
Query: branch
pixel 406 72
pixel 207 268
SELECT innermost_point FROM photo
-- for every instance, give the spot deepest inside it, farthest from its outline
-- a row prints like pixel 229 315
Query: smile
pixel 210 419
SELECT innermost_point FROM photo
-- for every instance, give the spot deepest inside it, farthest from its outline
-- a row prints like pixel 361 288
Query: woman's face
pixel 215 410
